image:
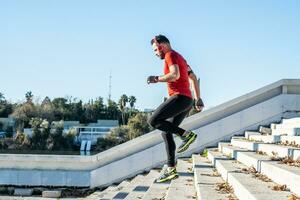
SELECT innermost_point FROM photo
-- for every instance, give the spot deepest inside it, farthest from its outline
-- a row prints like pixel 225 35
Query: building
pixel 93 131
pixel 7 122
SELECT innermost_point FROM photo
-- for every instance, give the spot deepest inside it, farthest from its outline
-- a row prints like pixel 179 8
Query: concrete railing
pixel 263 106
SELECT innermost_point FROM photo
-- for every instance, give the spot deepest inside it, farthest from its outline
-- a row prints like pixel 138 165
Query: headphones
pixel 159 47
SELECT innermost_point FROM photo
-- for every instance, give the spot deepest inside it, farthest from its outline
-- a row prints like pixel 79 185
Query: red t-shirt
pixel 182 85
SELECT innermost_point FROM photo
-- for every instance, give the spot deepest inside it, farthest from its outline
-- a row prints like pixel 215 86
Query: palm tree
pixel 122 103
pixel 132 101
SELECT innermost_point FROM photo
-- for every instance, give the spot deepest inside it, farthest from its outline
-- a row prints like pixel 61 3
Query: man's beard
pixel 162 56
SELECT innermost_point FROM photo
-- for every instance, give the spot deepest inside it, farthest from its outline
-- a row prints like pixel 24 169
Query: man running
pixel 168 116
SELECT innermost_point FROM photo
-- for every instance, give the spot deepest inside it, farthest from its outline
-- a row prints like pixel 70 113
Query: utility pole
pixel 109 86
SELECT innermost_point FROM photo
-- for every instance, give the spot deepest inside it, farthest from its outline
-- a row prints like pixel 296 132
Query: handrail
pixel 284 86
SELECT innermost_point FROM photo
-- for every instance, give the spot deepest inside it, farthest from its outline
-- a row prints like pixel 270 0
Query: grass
pixel 204 153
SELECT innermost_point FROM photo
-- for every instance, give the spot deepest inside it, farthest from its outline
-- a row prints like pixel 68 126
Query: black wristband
pixel 152 79
pixel 200 103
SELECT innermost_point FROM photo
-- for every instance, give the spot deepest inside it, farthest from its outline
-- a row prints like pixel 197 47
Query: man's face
pixel 158 51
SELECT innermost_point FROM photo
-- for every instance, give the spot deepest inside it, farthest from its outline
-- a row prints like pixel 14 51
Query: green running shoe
pixel 187 141
pixel 167 175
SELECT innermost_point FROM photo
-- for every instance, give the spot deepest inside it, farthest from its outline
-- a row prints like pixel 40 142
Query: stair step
pixel 292 120
pixel 265 130
pixel 270 149
pixel 266 138
pixel 183 187
pixel 249 133
pixel 122 192
pixel 140 190
pixel 206 179
pixel 100 194
pixel 231 151
pixel 285 131
pixel 157 190
pixel 245 185
pixel 276 171
pixel 213 154
pixel 291 139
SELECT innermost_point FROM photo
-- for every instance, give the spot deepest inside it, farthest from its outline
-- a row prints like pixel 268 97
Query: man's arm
pixel 173 75
pixel 196 89
pixel 195 85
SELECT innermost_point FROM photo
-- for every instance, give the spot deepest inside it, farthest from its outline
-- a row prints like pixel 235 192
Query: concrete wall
pixel 263 106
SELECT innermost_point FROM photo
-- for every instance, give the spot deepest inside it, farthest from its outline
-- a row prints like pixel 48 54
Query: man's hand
pixel 199 105
pixel 152 79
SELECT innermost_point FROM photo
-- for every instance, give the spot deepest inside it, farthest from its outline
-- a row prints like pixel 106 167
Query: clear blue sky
pixel 68 47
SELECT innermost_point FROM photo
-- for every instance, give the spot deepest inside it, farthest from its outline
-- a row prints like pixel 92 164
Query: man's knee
pixel 152 121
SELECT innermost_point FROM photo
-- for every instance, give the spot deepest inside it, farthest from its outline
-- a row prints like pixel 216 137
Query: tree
pixel 138 126
pixel 21 141
pixel 120 133
pixel 132 101
pixel 6 108
pixel 98 108
pixel 2 98
pixel 57 140
pixel 40 133
pixel 29 97
pixel 112 110
pixel 46 101
pixel 46 110
pixel 77 111
pixel 62 109
pixel 122 104
pixel 23 114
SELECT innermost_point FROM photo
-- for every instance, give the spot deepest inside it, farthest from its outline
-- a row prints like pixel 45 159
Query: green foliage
pixel 204 153
pixel 40 133
pixel 132 101
pixel 9 131
pixel 6 108
pixel 138 125
pixel 57 140
pixel 29 97
pixel 23 113
pixel 106 143
pixel 21 141
pixel 121 134
pixel 122 103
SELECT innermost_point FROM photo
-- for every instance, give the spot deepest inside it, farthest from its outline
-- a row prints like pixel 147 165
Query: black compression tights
pixel 167 117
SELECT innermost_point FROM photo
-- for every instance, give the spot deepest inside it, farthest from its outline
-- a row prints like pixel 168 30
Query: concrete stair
pixel 144 186
pixel 258 166
pixel 242 169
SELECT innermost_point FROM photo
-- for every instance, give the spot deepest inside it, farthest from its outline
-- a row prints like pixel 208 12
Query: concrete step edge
pixel 206 180
pixel 244 185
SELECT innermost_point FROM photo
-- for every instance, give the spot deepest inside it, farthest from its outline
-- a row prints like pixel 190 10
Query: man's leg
pixel 170 172
pixel 172 107
pixel 169 140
